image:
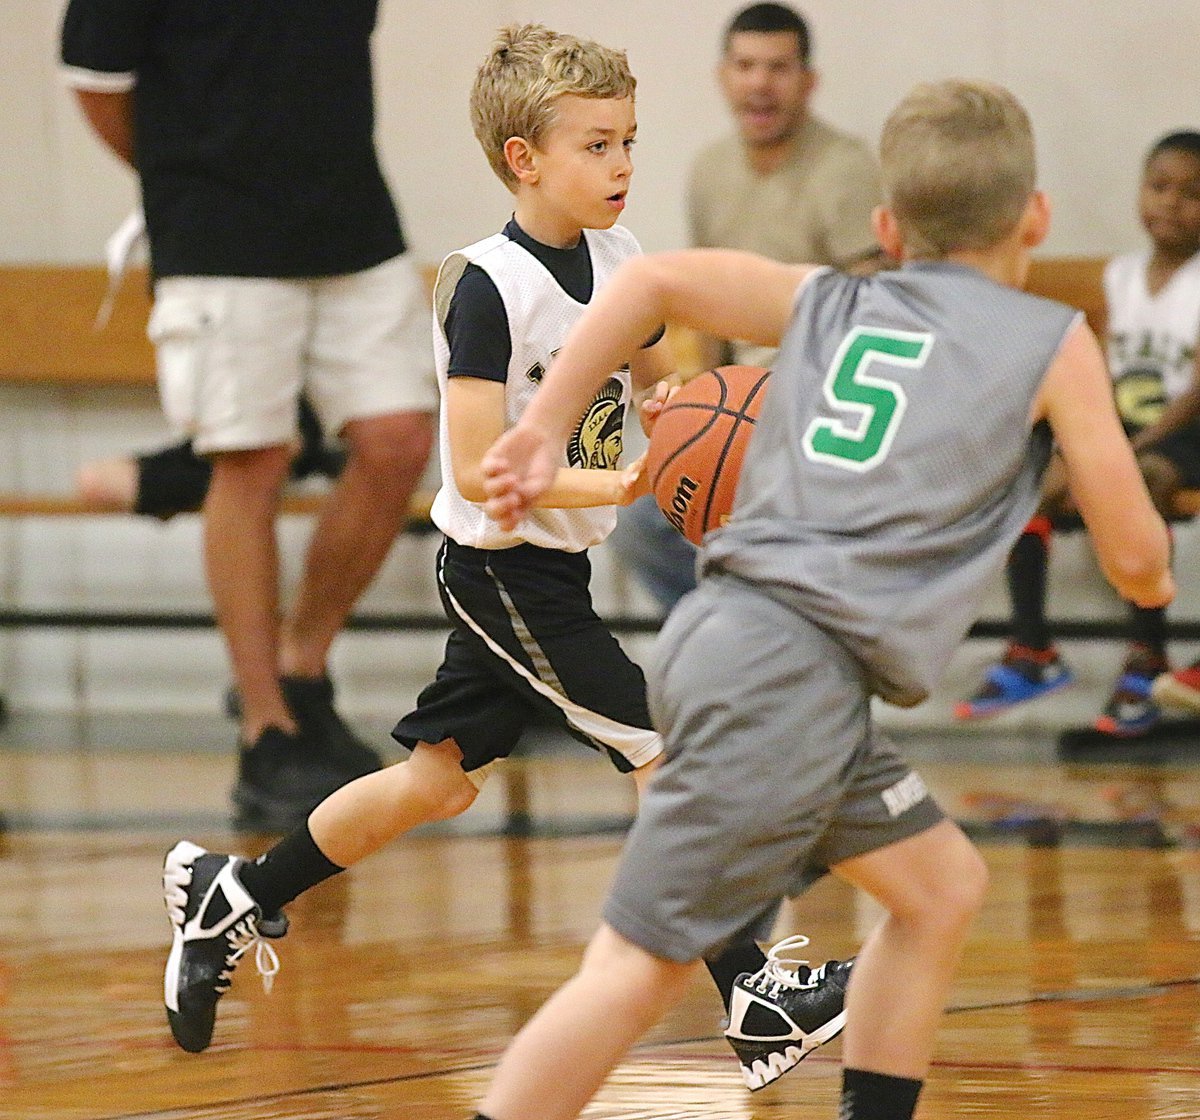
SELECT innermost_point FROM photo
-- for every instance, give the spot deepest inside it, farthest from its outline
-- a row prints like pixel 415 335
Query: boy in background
pixel 174 479
pixel 899 453
pixel 1152 302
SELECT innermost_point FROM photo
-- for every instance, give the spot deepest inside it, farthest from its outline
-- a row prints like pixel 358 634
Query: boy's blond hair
pixel 958 166
pixel 527 70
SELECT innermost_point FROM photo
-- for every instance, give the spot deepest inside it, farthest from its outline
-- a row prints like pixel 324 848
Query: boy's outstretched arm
pixel 731 294
pixel 1130 538
pixel 475 418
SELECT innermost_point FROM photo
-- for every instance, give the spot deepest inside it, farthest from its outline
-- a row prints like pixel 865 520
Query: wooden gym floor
pixel 403 980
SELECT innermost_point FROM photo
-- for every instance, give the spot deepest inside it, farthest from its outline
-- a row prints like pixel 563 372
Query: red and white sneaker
pixel 1180 689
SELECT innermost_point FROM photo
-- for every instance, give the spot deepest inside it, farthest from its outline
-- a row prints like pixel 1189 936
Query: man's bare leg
pixel 358 524
pixel 242 565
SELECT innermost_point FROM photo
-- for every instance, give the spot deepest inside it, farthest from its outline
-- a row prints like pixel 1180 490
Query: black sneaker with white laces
pixel 215 922
pixel 782 1013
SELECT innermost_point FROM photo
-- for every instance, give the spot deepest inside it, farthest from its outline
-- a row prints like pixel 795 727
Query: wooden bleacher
pixel 47 338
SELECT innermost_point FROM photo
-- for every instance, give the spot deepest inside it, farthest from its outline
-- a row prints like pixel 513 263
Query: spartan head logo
pixel 597 441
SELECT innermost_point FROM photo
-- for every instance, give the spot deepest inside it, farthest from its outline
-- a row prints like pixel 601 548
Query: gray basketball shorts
pixel 773 772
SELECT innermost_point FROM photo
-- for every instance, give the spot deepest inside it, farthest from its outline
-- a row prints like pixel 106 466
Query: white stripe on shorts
pixel 636 744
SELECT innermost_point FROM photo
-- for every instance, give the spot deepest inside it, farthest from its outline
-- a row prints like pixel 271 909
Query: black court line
pixel 1067 995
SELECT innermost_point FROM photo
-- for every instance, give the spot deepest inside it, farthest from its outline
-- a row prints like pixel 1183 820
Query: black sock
pixel 1148 628
pixel 738 957
pixel 877 1096
pixel 287 870
pixel 1026 572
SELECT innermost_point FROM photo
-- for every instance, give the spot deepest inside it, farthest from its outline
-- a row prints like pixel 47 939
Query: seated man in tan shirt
pixel 784 184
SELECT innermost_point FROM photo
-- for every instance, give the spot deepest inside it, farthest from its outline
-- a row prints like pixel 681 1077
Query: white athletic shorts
pixel 234 353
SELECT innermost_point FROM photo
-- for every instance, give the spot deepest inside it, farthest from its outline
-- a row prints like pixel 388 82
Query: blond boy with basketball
pixel 898 454
pixel 555 116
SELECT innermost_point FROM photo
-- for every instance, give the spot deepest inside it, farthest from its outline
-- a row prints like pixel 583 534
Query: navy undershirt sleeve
pixel 477 328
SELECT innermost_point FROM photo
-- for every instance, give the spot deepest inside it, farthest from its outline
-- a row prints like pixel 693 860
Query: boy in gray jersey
pixel 898 455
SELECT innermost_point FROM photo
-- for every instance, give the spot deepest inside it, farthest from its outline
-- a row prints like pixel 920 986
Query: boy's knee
pixel 941 886
pixel 613 956
pixel 453 796
pixel 441 781
pixel 958 895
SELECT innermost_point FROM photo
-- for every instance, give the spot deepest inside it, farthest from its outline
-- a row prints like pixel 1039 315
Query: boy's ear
pixel 887 232
pixel 1035 222
pixel 519 155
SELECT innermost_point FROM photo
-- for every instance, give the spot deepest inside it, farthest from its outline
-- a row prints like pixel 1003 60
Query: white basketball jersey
pixel 1151 339
pixel 539 315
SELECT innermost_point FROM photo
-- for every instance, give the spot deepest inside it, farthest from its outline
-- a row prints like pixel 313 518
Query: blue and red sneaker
pixel 1131 710
pixel 1023 674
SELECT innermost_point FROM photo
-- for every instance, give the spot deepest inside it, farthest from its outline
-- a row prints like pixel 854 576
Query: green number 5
pixel 875 405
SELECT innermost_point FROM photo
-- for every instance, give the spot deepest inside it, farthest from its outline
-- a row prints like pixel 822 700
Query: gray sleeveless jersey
pixel 893 464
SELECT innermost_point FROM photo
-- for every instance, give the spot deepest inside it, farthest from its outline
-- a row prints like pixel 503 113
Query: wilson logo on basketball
pixel 676 512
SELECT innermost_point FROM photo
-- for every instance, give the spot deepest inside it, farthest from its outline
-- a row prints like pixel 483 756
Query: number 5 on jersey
pixel 870 407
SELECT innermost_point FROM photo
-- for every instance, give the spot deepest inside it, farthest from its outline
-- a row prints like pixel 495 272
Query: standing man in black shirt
pixel 279 266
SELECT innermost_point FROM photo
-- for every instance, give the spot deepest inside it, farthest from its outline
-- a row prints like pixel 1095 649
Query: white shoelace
pixel 240 936
pixel 243 935
pixel 782 970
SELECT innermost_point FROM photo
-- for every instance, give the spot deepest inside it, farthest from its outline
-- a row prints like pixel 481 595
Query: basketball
pixel 697 446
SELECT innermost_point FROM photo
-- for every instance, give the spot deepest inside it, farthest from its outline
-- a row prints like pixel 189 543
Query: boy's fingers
pixel 497 481
pixel 506 510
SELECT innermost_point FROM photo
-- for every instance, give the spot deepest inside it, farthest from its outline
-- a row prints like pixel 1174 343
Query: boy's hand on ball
pixel 651 408
pixel 633 482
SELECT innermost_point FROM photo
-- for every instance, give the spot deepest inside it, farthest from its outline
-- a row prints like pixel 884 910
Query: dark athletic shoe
pixel 281 779
pixel 782 1013
pixel 311 702
pixel 214 922
pixel 1131 709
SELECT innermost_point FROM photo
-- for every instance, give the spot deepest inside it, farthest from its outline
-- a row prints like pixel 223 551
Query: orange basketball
pixel 698 443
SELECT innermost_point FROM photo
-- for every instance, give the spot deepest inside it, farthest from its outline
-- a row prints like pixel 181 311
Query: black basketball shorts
pixel 527 647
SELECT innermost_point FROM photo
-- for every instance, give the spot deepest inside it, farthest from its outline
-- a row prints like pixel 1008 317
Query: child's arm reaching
pixel 734 295
pixel 475 413
pixel 1129 536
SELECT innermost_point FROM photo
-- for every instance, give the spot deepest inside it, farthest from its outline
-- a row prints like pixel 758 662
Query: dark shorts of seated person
pixel 175 479
pixel 172 480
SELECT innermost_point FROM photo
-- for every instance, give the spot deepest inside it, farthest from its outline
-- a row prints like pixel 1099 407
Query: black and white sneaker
pixel 784 1011
pixel 215 922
